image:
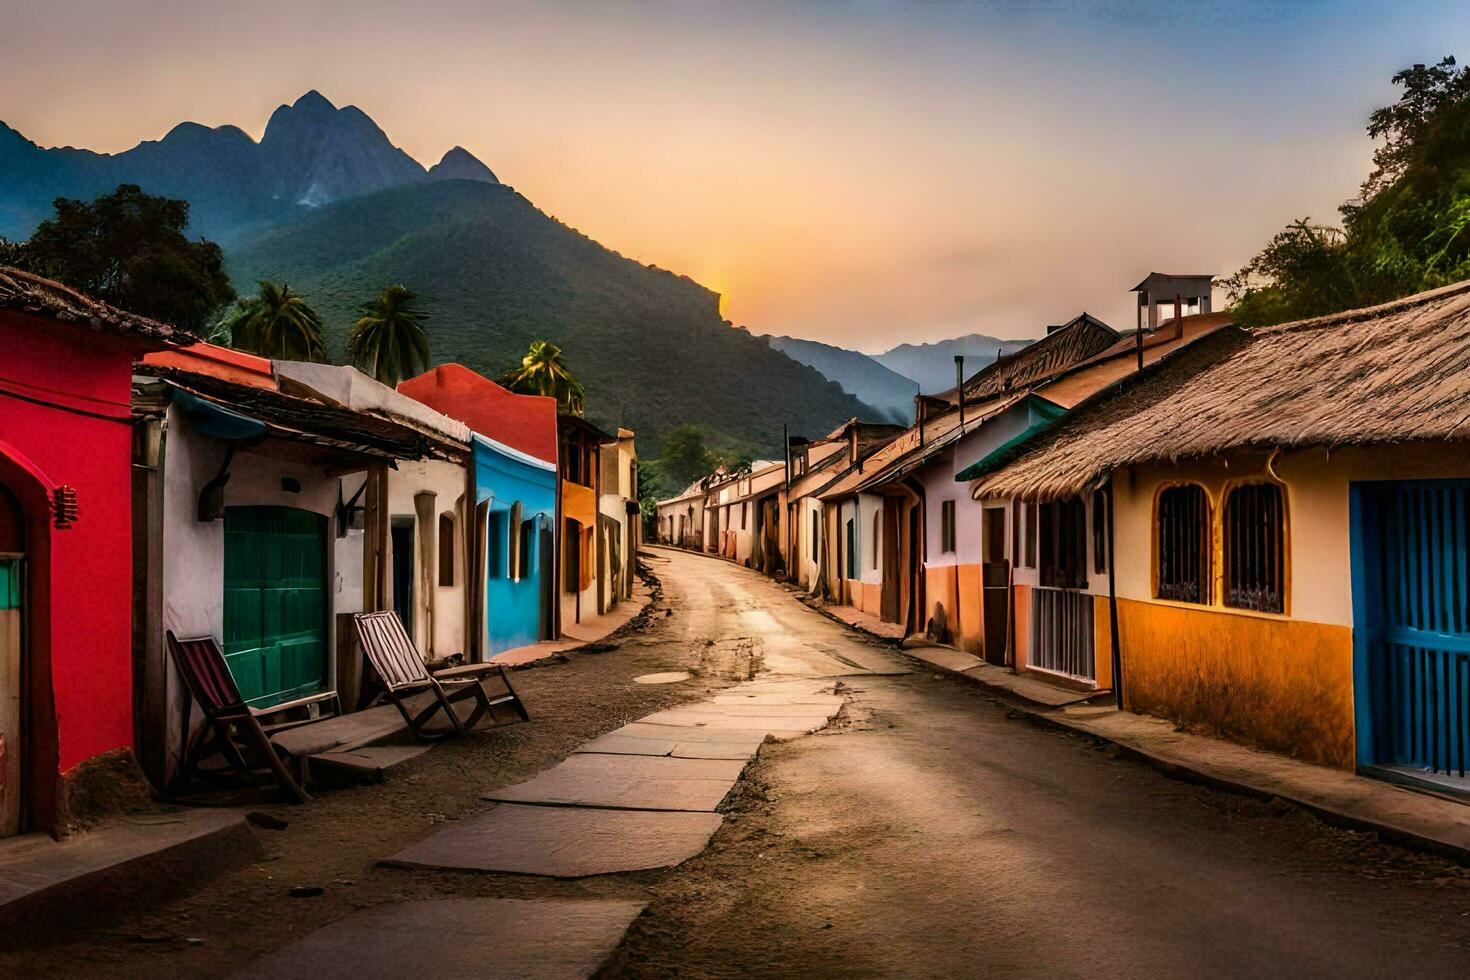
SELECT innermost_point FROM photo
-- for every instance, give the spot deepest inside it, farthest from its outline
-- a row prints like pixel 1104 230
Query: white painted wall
pixel 447 482
pixel 870 545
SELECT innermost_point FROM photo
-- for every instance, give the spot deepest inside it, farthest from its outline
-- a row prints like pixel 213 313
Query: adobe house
pixel 510 509
pixel 1290 512
pixel 66 561
pixel 243 533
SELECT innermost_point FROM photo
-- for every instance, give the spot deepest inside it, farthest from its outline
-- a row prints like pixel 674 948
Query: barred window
pixel 1255 549
pixel 1183 544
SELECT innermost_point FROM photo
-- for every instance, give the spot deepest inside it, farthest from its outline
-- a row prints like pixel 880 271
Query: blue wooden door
pixel 1412 625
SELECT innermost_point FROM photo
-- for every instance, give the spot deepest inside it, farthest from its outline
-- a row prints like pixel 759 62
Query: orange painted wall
pixel 870 597
pixel 957 589
pixel 1278 684
pixel 972 632
pixel 1102 642
pixel 1021 624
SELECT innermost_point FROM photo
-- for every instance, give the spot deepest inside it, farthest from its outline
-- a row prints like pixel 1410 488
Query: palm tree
pixel 543 372
pixel 275 323
pixel 389 342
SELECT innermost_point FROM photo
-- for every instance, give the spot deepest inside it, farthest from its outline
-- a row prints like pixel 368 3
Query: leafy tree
pixel 128 248
pixel 1303 271
pixel 685 458
pixel 389 342
pixel 544 372
pixel 1409 228
pixel 11 253
pixel 275 323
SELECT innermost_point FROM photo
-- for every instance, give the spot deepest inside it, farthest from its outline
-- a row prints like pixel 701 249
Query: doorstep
pixel 125 861
pixel 1403 816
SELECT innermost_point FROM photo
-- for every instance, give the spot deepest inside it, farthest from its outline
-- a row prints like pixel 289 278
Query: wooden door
pixel 12 742
pixel 1412 628
pixel 995 585
pixel 275 622
pixel 891 600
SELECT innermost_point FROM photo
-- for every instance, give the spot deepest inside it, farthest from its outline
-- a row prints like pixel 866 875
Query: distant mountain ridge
pixel 311 153
pixel 326 203
pixel 891 393
pixel 931 365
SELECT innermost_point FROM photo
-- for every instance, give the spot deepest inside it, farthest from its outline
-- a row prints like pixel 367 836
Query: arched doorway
pixel 13 605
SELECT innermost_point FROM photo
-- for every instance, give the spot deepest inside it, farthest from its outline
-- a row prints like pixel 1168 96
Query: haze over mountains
pixel 327 203
pixel 889 381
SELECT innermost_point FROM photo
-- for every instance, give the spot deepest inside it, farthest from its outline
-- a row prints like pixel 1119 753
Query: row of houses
pixel 1262 534
pixel 150 482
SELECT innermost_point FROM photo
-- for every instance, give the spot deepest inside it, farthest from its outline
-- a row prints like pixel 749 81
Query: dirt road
pixel 935 834
pixel 928 832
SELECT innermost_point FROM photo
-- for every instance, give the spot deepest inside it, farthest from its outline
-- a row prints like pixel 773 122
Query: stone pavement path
pixel 642 796
pixel 456 938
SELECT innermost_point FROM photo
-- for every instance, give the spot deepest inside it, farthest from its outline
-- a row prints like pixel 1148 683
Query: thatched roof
pixel 1398 372
pixel 26 292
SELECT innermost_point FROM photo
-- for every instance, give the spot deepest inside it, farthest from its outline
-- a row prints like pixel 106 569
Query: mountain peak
pixel 461 164
pixel 314 101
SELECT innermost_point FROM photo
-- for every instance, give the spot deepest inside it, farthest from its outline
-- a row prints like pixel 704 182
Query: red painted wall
pixel 524 422
pixel 90 564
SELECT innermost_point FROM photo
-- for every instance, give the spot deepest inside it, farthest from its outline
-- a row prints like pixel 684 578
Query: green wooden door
pixel 275 602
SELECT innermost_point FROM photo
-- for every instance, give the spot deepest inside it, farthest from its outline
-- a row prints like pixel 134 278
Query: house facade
pixel 66 556
pixel 1286 564
pixel 246 470
pixel 509 517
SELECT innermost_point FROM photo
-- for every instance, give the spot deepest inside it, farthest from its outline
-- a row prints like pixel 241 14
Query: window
pixel 744 509
pixel 1031 523
pixel 528 548
pixel 496 546
pixel 877 534
pixel 851 548
pixel 1255 551
pixel 1183 544
pixel 946 526
pixel 1063 540
pixel 816 540
pixel 446 549
pixel 1099 531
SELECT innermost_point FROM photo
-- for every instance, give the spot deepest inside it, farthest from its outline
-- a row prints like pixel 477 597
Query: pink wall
pixel 90 602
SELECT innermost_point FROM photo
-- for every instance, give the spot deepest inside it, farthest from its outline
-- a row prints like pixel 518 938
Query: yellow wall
pixel 1281 682
pixel 1268 681
pixel 579 503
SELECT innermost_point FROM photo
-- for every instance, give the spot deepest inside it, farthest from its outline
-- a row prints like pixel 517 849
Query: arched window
pixel 1182 540
pixel 446 549
pixel 1255 548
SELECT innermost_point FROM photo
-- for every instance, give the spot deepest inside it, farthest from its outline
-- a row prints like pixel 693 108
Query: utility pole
pixel 959 384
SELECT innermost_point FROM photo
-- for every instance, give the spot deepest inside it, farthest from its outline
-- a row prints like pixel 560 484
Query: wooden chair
pixel 392 656
pixel 232 728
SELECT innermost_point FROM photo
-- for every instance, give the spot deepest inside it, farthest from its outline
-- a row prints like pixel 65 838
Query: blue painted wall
pixel 504 478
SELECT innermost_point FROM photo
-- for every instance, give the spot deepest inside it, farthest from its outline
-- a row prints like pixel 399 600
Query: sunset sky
pixel 864 174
